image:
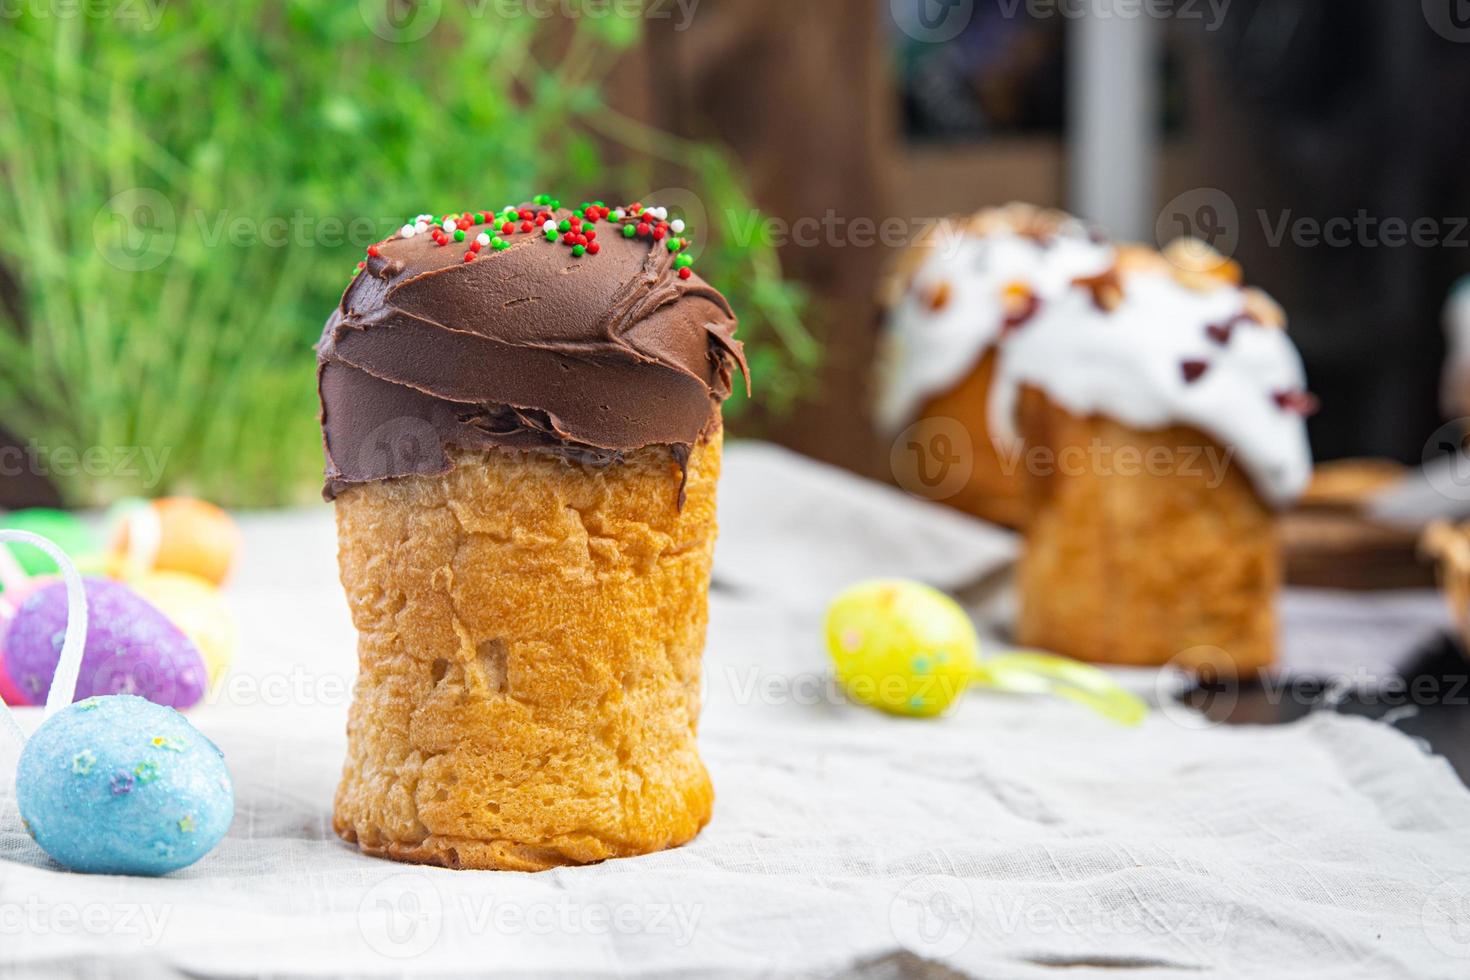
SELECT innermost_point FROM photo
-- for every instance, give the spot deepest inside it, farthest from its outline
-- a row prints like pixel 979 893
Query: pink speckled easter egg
pixel 132 648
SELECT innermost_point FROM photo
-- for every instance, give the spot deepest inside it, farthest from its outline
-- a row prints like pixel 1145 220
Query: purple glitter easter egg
pixel 132 648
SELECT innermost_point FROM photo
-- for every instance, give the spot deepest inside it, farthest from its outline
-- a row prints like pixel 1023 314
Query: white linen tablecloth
pixel 1015 838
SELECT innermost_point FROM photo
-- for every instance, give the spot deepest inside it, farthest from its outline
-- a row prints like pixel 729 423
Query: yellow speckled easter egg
pixel 901 646
pixel 199 610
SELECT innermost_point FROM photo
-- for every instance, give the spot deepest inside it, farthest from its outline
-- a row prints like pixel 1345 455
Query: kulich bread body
pixel 950 303
pixel 1177 560
pixel 995 489
pixel 530 639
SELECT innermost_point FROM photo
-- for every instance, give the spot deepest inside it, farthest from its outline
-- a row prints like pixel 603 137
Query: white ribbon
pixel 69 666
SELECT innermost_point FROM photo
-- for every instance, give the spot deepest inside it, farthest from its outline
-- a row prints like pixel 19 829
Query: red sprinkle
pixel 1303 403
pixel 373 251
pixel 685 272
pixel 525 226
pixel 469 256
pixel 659 233
pixel 1220 332
pixel 507 229
pixel 591 235
pixel 570 238
pixel 1193 370
pixel 644 230
pixel 593 248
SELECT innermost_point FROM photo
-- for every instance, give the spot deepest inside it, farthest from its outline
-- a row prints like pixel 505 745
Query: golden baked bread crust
pixel 530 634
pixel 1149 565
pixel 995 488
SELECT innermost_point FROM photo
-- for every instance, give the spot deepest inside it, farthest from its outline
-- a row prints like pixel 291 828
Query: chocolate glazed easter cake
pixel 522 425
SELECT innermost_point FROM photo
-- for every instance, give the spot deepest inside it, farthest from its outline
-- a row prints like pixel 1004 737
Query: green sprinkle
pixel 540 199
pixel 83 761
pixel 146 772
pixel 90 704
pixel 629 231
pixel 579 250
pixel 186 825
pixel 499 244
pixel 674 245
pixel 683 261
pixel 551 236
pixel 565 225
pixel 459 234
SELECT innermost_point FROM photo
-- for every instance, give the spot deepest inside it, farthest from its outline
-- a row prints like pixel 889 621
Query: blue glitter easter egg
pixel 120 785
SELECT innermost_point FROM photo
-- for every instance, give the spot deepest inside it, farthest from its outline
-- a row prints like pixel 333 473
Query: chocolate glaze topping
pixel 529 348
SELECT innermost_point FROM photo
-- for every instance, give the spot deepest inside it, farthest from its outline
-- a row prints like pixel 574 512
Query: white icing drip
pixel 1127 364
pixel 930 351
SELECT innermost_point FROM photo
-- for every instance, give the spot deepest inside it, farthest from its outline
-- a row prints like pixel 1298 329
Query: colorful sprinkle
pixel 1193 370
pixel 122 783
pixel 577 231
pixel 169 742
pixel 147 772
pixel 1303 403
pixel 186 824
pixel 83 761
